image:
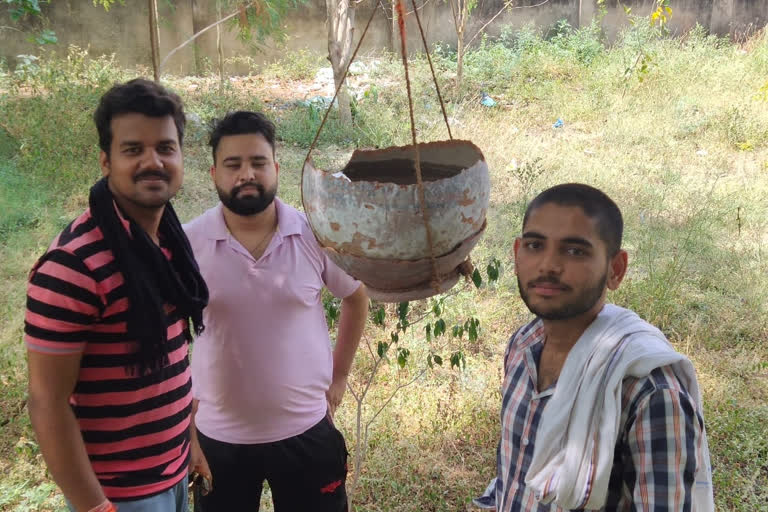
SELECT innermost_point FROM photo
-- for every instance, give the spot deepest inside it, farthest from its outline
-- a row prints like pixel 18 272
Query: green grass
pixel 684 152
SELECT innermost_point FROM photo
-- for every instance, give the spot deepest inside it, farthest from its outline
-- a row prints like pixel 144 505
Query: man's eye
pixel 576 251
pixel 533 245
pixel 165 149
pixel 132 151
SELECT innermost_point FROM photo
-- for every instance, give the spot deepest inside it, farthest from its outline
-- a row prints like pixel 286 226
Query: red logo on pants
pixel 330 487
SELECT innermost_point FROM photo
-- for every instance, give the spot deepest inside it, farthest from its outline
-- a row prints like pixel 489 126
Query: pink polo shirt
pixel 263 364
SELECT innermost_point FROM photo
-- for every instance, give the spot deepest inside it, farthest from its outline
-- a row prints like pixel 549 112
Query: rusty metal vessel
pixel 368 216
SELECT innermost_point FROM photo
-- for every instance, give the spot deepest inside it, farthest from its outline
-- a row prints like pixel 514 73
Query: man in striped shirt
pixel 566 259
pixel 107 320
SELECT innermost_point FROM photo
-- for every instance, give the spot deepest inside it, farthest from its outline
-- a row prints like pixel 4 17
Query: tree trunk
pixel 154 39
pixel 459 62
pixel 219 47
pixel 198 24
pixel 395 34
pixel 341 23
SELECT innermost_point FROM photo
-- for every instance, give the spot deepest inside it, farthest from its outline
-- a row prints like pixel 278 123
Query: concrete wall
pixel 124 30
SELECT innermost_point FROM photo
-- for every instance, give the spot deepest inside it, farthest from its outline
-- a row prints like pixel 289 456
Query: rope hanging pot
pixel 404 219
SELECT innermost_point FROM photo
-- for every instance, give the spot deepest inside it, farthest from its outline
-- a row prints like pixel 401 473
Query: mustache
pixel 258 186
pixel 549 280
pixel 151 174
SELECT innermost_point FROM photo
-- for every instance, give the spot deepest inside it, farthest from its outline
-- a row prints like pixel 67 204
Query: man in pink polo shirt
pixel 265 382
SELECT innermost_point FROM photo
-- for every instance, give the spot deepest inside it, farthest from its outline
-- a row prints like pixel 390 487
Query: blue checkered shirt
pixel 654 457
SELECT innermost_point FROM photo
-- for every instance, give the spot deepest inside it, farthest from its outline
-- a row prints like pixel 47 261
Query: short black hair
pixel 595 204
pixel 141 96
pixel 239 123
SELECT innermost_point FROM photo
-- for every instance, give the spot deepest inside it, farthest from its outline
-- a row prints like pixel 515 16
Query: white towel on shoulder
pixel 573 456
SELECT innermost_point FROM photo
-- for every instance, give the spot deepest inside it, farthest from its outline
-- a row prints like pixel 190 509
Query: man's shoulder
pixel 200 225
pixel 660 381
pixel 295 218
pixel 82 230
pixel 79 240
pixel 295 222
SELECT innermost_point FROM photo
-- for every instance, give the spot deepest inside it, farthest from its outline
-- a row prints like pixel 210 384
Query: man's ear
pixel 213 172
pixel 104 163
pixel 516 248
pixel 617 269
pixel 277 168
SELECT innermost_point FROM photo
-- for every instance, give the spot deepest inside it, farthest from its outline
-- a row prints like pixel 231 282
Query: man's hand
pixel 354 312
pixel 198 464
pixel 335 393
pixel 197 461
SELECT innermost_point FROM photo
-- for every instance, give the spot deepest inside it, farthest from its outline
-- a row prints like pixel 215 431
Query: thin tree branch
pixel 407 13
pixel 368 344
pixel 371 378
pixel 507 6
pixel 453 10
pixel 397 389
pixel 352 391
pixel 195 36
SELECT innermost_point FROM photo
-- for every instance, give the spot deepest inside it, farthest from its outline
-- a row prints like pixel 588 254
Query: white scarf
pixel 580 423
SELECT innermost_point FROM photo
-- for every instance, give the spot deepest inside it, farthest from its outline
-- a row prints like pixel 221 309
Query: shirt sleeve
pixel 338 282
pixel 62 304
pixel 662 441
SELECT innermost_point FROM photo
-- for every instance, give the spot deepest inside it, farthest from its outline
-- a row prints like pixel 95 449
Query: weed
pixel 299 65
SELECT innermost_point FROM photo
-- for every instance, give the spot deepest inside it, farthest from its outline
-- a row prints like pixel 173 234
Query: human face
pixel 562 265
pixel 144 165
pixel 245 173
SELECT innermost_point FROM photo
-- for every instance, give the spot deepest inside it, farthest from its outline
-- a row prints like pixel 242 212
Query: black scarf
pixel 151 280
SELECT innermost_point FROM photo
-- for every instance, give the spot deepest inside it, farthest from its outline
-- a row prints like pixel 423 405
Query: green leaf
pixel 402 357
pixel 382 348
pixel 428 330
pixel 438 360
pixel 477 278
pixel 472 329
pixel 439 327
pixel 395 337
pixel 402 312
pixel 429 361
pixel 493 270
pixel 437 309
pixel 46 37
pixel 458 360
pixel 379 315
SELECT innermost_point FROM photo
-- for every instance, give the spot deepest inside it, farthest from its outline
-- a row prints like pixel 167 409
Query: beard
pixel 249 204
pixel 579 305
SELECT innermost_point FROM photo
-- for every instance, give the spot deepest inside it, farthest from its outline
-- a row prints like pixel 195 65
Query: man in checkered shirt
pixel 566 259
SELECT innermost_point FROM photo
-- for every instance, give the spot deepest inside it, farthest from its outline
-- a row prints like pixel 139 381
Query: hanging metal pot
pixel 368 216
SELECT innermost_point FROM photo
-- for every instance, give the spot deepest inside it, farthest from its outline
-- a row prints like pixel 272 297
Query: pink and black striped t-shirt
pixel 135 428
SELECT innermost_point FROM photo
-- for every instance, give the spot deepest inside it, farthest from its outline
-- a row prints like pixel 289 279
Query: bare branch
pixel 391 396
pixel 507 6
pixel 368 344
pixel 195 36
pixel 370 379
pixel 408 13
pixel 352 391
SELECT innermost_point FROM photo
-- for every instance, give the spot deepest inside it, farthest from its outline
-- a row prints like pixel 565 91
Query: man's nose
pixel 551 262
pixel 152 160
